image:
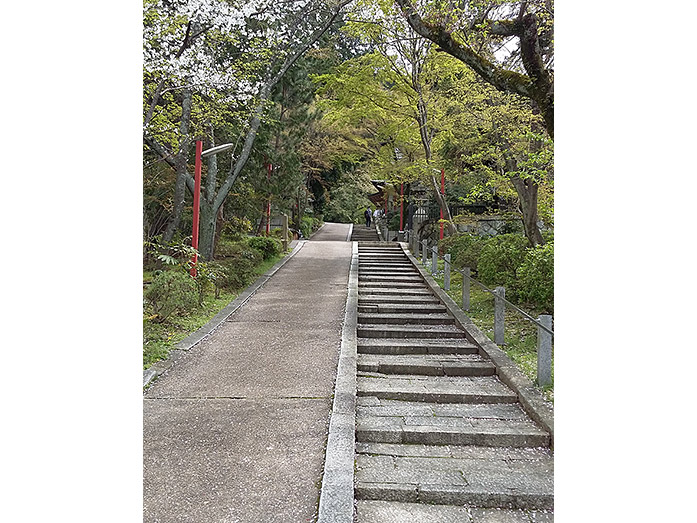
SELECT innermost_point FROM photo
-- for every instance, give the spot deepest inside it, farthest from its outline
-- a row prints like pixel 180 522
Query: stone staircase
pixel 364 234
pixel 438 436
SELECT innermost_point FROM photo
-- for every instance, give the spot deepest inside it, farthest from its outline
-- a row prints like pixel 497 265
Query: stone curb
pixel 530 398
pixel 193 339
pixel 336 496
pixel 314 233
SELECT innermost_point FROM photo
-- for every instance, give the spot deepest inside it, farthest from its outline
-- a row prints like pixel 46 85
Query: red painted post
pixel 401 207
pixel 197 202
pixel 442 191
pixel 268 204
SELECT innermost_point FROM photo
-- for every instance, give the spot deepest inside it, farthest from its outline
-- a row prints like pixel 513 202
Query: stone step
pixel 415 346
pixel 435 389
pixel 388 271
pixel 450 431
pixel 395 294
pixel 409 331
pixel 405 319
pixel 393 285
pixel 508 478
pixel 372 511
pixel 390 249
pixel 390 278
pixel 391 308
pixel 372 406
pixel 427 364
pixel 379 258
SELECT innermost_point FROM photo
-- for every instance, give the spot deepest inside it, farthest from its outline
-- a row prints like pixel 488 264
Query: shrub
pixel 536 277
pixel 238 266
pixel 308 225
pixel 499 260
pixel 393 223
pixel 237 228
pixel 170 292
pixel 268 247
pixel 464 249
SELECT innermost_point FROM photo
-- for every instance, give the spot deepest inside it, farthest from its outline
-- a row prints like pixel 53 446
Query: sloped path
pixel 236 430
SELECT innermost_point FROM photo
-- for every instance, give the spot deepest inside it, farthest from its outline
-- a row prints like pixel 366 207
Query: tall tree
pixel 391 80
pixel 473 30
pixel 495 137
pixel 286 30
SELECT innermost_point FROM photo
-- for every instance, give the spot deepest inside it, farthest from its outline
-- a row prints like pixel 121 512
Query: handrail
pixel 515 307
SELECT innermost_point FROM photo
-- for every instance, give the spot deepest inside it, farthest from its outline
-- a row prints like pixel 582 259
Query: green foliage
pixel 170 292
pixel 308 225
pixel 209 274
pixel 236 228
pixel 536 277
pixel 176 254
pixel 238 266
pixel 268 247
pixel 499 260
pixel 464 249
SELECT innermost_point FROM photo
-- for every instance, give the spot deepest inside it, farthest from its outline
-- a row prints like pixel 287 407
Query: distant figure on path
pixel 367 215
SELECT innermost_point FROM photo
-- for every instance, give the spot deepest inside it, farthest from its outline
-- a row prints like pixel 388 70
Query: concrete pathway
pixel 236 430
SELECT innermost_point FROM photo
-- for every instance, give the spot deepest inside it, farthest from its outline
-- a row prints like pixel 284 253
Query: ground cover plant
pixel 175 304
pixel 520 335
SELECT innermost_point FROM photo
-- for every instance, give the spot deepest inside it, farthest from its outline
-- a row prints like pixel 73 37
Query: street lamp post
pixel 200 154
pixel 268 203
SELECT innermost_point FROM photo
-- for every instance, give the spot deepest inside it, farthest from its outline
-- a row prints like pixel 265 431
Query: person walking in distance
pixel 367 215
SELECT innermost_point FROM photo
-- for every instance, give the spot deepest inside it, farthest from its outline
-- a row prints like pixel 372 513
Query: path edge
pixel 530 398
pixel 193 339
pixel 336 496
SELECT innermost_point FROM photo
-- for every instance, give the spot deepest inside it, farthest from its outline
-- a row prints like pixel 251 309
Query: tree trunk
pixel 261 230
pixel 452 230
pixel 207 228
pixel 181 167
pixel 527 194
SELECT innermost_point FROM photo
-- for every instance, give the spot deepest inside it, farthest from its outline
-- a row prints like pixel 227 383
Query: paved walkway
pixel 236 431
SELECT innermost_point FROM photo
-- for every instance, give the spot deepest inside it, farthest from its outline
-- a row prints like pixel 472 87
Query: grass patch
pixel 160 338
pixel 520 334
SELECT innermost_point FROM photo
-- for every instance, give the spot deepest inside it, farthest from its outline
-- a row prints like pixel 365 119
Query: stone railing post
pixel 466 289
pixel 544 351
pixel 446 274
pixel 434 259
pixel 499 315
pixel 424 249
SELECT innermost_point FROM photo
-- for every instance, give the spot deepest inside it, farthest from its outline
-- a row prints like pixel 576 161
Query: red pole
pixel 401 207
pixel 268 204
pixel 442 191
pixel 197 202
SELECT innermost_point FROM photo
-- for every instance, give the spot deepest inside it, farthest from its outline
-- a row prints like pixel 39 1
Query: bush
pixel 499 260
pixel 236 229
pixel 464 249
pixel 238 266
pixel 170 292
pixel 536 277
pixel 308 225
pixel 268 247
